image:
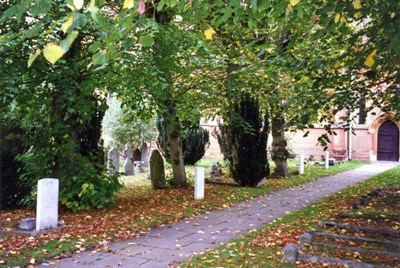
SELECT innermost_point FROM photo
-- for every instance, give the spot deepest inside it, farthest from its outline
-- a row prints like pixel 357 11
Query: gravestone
pixel 216 171
pixel 128 166
pixel 113 161
pixel 301 164
pixel 28 223
pixel 137 155
pixel 145 154
pixel 138 167
pixel 199 183
pixel 326 159
pixel 47 204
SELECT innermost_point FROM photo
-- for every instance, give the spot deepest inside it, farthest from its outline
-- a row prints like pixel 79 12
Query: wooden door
pixel 388 142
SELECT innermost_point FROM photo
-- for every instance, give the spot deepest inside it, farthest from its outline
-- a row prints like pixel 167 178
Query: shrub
pixel 11 188
pixel 244 142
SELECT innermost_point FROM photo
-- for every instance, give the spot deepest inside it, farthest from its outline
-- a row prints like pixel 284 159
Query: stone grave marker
pixel 199 183
pixel 47 204
pixel 113 161
pixel 128 166
pixel 216 171
pixel 326 159
pixel 301 164
pixel 145 154
pixel 138 167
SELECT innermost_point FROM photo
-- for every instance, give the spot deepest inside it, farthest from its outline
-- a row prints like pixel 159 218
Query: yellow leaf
pixel 304 78
pixel 78 4
pixel 53 53
pixel 128 4
pixel 357 4
pixel 209 33
pixel 85 186
pixel 369 61
pixel 32 261
pixel 67 24
pixel 294 2
pixel 337 18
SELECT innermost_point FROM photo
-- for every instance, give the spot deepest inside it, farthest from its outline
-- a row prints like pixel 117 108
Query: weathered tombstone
pixel 27 223
pixel 113 161
pixel 137 155
pixel 199 183
pixel 157 171
pixel 145 154
pixel 47 204
pixel 326 159
pixel 128 166
pixel 216 171
pixel 301 164
pixel 138 167
pixel 290 252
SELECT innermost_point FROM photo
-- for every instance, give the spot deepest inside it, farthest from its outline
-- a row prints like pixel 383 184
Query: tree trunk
pixel 279 152
pixel 172 126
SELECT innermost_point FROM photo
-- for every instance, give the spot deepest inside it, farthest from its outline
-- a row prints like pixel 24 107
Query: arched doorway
pixel 388 142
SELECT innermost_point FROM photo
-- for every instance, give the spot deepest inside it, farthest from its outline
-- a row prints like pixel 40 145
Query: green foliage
pixel 194 139
pixel 157 171
pixel 11 188
pixel 123 126
pixel 60 108
pixel 244 142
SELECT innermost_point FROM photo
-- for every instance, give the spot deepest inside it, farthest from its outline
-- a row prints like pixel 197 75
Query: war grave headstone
pixel 199 183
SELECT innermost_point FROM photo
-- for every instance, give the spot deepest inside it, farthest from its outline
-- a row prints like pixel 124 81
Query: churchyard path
pixel 183 240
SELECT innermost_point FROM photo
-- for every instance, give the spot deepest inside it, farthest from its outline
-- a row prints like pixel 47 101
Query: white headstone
pixel 128 166
pixel 47 204
pixel 301 164
pixel 145 154
pixel 326 159
pixel 113 161
pixel 199 183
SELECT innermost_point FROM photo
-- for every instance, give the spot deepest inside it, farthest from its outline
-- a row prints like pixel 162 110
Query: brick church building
pixel 374 138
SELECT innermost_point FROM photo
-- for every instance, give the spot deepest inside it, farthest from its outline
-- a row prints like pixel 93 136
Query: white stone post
pixel 301 164
pixel 47 204
pixel 199 183
pixel 326 159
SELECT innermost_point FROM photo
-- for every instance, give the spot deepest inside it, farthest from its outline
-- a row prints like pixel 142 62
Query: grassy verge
pixel 138 210
pixel 264 247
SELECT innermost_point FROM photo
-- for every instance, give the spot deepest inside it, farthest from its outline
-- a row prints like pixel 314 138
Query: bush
pixel 195 140
pixel 11 188
pixel 244 142
pixel 157 171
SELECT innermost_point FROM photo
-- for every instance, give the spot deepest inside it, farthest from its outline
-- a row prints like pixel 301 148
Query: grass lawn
pixel 264 247
pixel 138 209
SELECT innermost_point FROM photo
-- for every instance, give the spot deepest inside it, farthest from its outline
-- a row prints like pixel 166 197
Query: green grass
pixel 247 251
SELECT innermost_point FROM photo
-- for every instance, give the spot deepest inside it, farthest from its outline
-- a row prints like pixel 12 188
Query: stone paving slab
pixel 181 241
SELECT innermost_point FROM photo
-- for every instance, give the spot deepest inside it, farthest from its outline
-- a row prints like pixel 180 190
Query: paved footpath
pixel 185 239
